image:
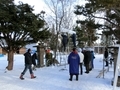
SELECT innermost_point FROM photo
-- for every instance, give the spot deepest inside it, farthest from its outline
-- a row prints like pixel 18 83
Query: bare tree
pixel 61 16
pixel 61 13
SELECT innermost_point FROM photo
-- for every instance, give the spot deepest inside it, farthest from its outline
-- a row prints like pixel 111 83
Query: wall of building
pixel 21 51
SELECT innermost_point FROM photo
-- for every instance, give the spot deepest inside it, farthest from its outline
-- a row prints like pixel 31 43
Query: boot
pixel 71 77
pixel 32 76
pixel 21 77
pixel 76 77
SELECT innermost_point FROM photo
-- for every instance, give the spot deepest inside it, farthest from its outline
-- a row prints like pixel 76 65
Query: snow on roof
pixel 64 30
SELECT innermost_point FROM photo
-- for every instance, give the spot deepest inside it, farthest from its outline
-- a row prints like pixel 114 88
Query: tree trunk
pixel 10 60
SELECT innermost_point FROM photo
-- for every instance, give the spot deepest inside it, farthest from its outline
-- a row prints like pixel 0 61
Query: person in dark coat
pixel 34 58
pixel 87 60
pixel 106 56
pixel 28 63
pixel 74 39
pixel 74 62
pixel 64 41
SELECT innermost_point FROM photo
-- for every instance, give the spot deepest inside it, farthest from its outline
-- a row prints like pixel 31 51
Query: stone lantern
pixel 40 54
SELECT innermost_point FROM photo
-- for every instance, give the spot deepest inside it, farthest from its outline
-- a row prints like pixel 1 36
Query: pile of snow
pixel 64 30
pixel 54 77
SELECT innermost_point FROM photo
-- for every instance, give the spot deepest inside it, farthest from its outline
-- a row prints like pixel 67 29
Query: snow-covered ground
pixel 54 77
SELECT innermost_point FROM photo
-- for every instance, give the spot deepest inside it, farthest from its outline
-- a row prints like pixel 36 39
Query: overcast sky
pixel 39 5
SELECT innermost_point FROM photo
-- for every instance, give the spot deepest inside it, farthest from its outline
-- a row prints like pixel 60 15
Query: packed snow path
pixel 53 78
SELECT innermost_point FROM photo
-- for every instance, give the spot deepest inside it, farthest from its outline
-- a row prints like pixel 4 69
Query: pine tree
pixel 19 26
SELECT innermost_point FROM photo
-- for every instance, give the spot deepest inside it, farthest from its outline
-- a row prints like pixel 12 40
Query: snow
pixel 53 77
pixel 64 30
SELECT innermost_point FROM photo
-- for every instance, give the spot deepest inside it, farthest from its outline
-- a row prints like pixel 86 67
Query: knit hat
pixel 74 49
pixel 29 50
pixel 79 49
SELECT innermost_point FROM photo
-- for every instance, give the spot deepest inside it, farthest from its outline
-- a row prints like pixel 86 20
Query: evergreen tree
pixel 86 33
pixel 19 26
pixel 110 13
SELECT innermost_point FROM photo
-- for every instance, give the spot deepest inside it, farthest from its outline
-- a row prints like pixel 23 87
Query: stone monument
pixel 40 54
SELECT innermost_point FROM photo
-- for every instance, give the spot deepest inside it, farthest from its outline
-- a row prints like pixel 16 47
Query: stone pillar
pixel 40 53
pixel 41 56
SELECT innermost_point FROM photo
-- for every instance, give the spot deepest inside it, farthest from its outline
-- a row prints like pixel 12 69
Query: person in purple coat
pixel 74 62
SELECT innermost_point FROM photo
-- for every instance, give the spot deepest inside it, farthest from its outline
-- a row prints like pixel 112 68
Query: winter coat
pixel 106 54
pixel 65 39
pixel 81 57
pixel 28 58
pixel 34 57
pixel 74 39
pixel 73 61
pixel 87 57
pixel 48 56
pixel 92 55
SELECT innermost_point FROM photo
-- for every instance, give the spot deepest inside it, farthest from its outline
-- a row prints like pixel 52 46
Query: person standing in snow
pixel 28 63
pixel 64 41
pixel 106 56
pixel 81 60
pixel 34 57
pixel 87 60
pixel 74 62
pixel 74 39
pixel 92 59
pixel 48 57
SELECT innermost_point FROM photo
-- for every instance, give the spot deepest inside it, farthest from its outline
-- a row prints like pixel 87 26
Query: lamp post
pixel 40 53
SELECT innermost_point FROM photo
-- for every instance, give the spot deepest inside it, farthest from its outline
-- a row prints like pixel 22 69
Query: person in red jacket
pixel 28 63
pixel 74 62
